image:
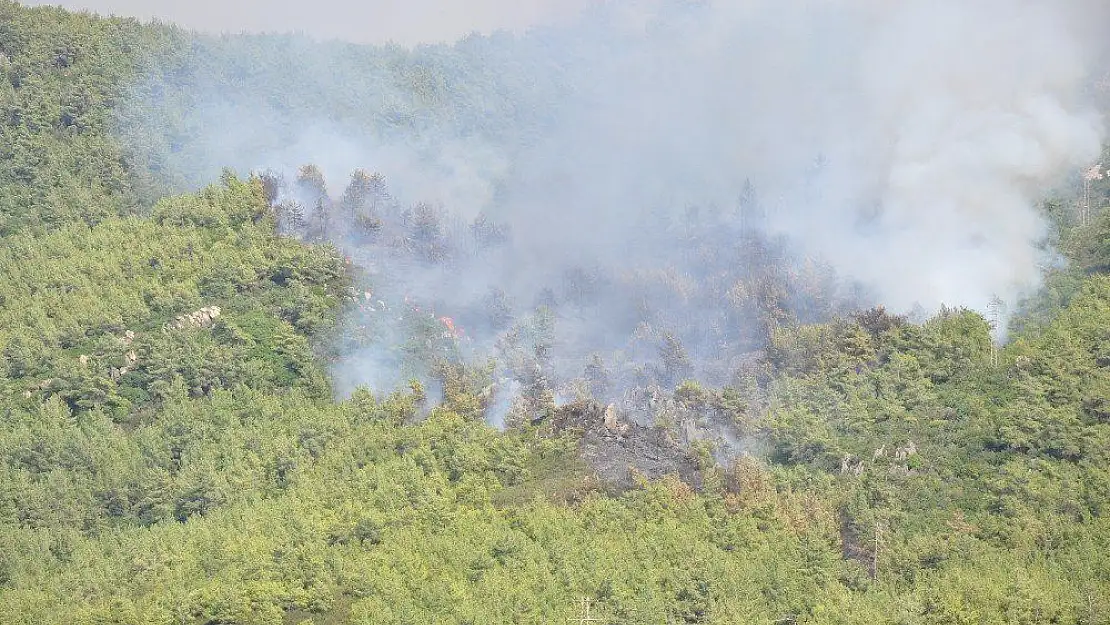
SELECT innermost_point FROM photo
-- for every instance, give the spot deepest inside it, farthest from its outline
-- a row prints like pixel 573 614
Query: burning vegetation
pixel 435 292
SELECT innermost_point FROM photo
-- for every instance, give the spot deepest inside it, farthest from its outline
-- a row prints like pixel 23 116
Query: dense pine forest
pixel 186 437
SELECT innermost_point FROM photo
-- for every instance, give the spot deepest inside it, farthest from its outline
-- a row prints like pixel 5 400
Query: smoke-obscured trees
pixel 656 321
pixel 170 449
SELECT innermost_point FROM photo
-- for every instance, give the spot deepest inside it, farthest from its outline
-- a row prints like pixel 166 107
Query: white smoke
pixel 976 108
pixel 906 143
pixel 941 124
pixel 362 21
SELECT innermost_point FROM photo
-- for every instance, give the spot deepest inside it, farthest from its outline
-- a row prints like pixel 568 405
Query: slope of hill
pixel 171 450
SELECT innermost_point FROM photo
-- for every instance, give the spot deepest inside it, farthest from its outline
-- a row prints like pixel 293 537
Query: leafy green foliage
pixel 88 312
pixel 60 74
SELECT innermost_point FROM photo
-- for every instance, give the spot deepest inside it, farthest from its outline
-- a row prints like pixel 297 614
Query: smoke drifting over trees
pixel 375 21
pixel 685 165
pixel 649 243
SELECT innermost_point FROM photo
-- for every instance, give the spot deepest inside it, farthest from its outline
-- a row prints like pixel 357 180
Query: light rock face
pixel 613 423
pixel 851 465
pixel 904 453
pixel 203 318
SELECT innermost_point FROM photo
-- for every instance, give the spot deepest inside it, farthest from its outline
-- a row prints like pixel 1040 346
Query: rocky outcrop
pixel 203 318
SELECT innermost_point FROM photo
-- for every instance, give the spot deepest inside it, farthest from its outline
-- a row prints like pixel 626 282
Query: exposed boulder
pixel 902 454
pixel 203 318
pixel 851 465
pixel 613 423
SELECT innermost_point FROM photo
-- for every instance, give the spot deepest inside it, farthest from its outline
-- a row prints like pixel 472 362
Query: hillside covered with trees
pixel 176 447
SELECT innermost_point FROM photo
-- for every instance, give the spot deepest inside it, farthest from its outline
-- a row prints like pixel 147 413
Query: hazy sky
pixel 364 21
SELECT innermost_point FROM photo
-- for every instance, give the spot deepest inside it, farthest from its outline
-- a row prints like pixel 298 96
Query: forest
pixel 235 392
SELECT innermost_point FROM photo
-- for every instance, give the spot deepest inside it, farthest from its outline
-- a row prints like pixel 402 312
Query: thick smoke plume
pixel 362 21
pixel 641 195
pixel 907 142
